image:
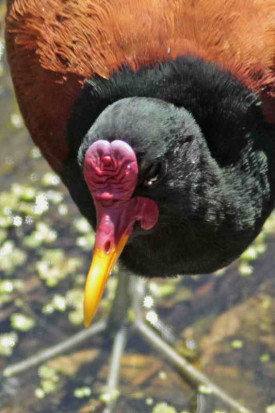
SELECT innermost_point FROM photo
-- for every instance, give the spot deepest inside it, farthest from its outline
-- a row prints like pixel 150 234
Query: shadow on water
pixel 225 322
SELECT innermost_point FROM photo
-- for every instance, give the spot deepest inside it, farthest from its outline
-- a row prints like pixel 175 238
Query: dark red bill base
pixel 111 173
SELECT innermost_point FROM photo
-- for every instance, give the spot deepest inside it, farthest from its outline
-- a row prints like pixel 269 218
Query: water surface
pixel 225 322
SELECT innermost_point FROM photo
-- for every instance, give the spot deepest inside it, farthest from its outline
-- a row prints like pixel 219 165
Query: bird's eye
pixel 153 174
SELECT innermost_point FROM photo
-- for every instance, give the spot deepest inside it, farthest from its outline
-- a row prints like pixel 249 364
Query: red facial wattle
pixel 111 173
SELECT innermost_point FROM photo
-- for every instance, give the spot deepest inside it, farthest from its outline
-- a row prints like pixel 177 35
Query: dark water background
pixel 225 322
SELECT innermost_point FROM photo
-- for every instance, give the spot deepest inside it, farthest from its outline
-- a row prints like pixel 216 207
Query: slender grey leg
pixel 193 375
pixel 190 372
pixel 120 305
pixel 54 350
pixel 113 378
pixel 117 316
pixel 116 320
pixel 117 325
pixel 137 290
pixel 129 294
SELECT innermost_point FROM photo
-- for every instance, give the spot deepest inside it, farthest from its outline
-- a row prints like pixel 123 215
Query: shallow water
pixel 225 322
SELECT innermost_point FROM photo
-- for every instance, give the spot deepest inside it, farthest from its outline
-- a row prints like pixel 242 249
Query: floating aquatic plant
pixel 163 408
pixel 55 266
pixel 11 257
pixel 7 343
pixel 48 383
pixel 82 392
pixel 21 322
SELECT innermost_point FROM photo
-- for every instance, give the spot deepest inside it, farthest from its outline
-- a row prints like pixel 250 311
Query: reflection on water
pixel 225 322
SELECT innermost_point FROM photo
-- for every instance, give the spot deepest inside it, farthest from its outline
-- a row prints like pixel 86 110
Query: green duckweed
pixel 82 392
pixel 163 408
pixel 7 343
pixel 55 266
pixel 11 257
pixel 21 322
pixel 109 396
pixel 42 234
pixel 48 383
pixel 265 358
pixel 58 303
pixel 50 179
pixel 237 344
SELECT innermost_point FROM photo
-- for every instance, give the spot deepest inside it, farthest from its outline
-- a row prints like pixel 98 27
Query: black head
pixel 160 134
pixel 213 193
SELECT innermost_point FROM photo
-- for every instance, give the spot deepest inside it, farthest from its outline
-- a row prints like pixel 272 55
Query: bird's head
pixel 127 157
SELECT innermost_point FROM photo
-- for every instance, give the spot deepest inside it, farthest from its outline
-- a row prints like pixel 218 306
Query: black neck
pixel 241 194
pixel 220 103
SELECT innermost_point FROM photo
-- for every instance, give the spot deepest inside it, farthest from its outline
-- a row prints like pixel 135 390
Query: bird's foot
pixel 55 350
pixel 129 296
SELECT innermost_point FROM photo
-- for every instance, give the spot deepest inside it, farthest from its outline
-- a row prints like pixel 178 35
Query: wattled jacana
pixel 159 118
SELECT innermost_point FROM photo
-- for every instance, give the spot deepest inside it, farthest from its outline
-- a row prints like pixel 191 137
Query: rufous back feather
pixel 53 45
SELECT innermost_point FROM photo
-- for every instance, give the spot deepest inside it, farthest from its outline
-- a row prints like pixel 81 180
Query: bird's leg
pixel 164 344
pixel 117 317
pixel 111 392
pixel 55 350
pixel 138 292
pixel 193 375
pixel 121 304
pixel 129 294
pixel 118 328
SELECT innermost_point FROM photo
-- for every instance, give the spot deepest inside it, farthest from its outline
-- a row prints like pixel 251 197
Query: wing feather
pixel 53 45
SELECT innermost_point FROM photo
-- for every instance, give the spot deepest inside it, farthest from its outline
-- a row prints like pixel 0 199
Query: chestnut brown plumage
pixel 188 86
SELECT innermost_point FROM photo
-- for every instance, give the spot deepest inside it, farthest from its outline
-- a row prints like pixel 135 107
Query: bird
pixel 159 117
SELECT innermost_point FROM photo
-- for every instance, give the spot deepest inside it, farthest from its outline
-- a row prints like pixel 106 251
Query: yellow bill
pixel 100 270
